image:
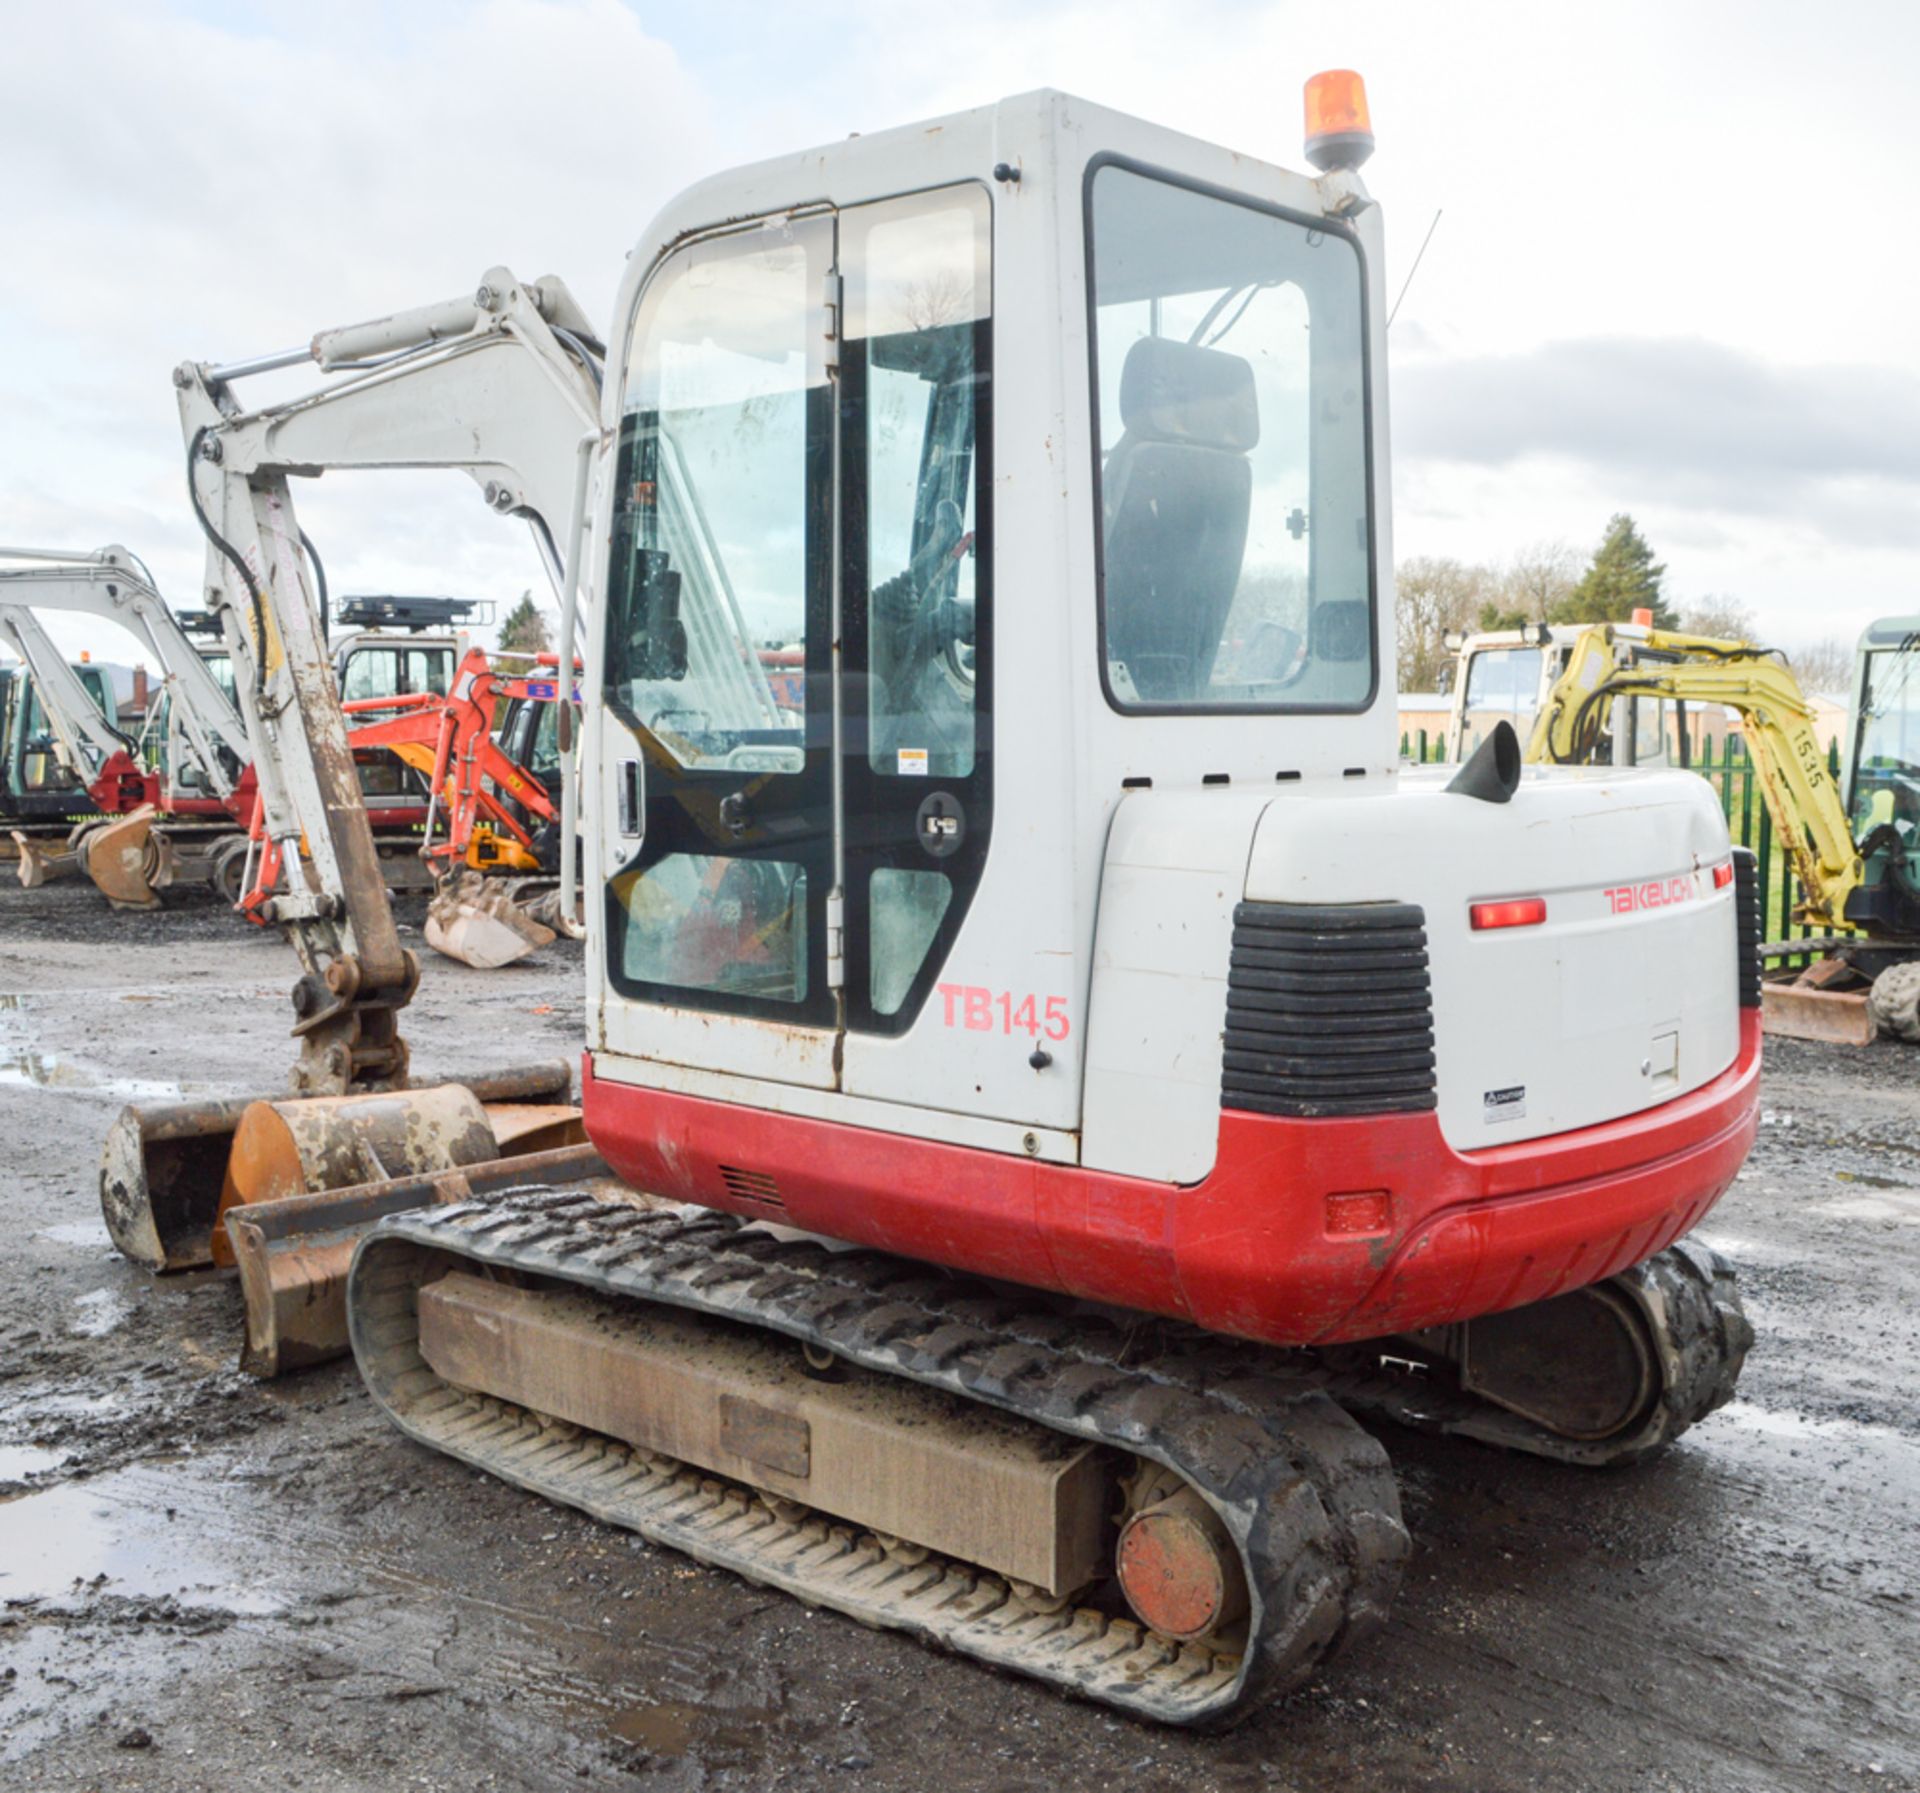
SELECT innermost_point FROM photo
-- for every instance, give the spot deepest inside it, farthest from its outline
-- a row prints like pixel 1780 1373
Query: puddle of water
pixel 56 1406
pixel 48 1070
pixel 1798 1425
pixel 663 1730
pixel 100 1313
pixel 1876 1207
pixel 19 1461
pixel 59 1540
pixel 84 1233
pixel 38 1070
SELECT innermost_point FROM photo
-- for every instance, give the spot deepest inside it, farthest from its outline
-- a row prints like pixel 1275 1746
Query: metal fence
pixel 1725 765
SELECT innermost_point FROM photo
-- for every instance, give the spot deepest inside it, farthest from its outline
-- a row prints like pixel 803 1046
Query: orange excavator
pixel 488 814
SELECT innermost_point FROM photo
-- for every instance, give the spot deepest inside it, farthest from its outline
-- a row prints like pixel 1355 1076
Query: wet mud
pixel 208 1582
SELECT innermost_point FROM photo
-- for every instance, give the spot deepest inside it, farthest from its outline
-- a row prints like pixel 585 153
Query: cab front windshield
pixel 1230 389
pixel 1886 765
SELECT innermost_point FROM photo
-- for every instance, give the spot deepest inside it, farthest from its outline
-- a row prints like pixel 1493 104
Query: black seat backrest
pixel 1177 489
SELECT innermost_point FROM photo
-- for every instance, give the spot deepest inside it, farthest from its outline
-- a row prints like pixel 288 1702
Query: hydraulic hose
pixel 319 582
pixel 233 557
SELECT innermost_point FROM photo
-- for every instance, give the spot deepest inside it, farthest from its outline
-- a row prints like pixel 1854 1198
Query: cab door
pixel 794 779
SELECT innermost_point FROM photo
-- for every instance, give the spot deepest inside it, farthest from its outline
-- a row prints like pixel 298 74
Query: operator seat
pixel 1177 489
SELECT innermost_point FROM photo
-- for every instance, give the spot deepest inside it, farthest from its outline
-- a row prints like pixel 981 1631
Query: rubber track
pixel 1306 1494
pixel 1688 1299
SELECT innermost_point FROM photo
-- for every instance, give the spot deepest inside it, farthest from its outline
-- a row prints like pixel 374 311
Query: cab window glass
pixel 1231 397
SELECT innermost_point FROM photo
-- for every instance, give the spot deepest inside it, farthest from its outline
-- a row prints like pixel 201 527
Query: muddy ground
pixel 208 1582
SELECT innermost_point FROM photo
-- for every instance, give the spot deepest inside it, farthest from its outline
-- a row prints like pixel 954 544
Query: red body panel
pixel 1257 1249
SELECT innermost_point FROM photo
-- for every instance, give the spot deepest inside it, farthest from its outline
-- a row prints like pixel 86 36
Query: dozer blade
pixel 1801 1012
pixel 163 1168
pixel 479 924
pixel 129 864
pixel 294 1254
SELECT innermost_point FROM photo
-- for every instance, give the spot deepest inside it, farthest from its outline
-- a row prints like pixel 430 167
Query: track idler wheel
pixel 1177 1563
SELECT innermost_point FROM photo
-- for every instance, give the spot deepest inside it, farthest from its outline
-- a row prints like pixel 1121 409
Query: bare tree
pixel 1824 666
pixel 1436 594
pixel 1538 578
pixel 1725 618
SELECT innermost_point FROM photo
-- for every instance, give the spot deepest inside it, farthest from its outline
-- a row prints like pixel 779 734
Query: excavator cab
pixel 38 781
pixel 1883 781
pixel 1064 470
pixel 1884 762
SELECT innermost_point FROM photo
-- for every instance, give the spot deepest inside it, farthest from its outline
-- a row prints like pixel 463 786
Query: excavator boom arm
pixel 1783 743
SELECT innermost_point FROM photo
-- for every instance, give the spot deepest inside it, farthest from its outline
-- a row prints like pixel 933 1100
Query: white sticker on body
pixel 1505 1104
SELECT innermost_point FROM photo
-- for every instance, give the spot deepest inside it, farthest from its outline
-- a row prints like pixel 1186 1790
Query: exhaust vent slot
pixel 1746 909
pixel 1329 1010
pixel 755 1186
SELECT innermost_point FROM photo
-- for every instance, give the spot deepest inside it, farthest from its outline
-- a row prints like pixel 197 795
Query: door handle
pixel 734 816
pixel 629 799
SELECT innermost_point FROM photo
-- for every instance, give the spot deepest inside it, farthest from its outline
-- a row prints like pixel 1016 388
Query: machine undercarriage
pixel 1180 1526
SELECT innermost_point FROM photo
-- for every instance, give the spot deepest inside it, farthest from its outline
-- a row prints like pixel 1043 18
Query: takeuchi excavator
pixel 1058 1066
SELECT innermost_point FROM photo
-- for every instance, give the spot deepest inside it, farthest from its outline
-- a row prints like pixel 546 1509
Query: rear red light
pixel 1358 1212
pixel 1723 875
pixel 1515 912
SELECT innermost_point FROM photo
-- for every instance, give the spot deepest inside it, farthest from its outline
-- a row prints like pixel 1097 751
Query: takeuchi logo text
pixel 1660 893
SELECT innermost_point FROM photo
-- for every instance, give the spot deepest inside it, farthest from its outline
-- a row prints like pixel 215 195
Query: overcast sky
pixel 1675 274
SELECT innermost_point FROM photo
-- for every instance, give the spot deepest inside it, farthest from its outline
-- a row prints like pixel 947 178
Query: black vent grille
pixel 1746 909
pixel 752 1186
pixel 1329 1010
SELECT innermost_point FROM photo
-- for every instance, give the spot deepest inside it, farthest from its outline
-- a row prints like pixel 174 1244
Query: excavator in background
pixel 1507 675
pixel 57 726
pixel 500 384
pixel 1051 1055
pixel 492 807
pixel 146 819
pixel 1854 845
pixel 178 809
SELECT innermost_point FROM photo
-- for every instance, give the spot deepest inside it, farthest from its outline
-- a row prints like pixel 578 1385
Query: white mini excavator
pixel 1059 1064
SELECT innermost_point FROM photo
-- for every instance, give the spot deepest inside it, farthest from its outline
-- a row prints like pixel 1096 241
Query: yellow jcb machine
pixel 1851 840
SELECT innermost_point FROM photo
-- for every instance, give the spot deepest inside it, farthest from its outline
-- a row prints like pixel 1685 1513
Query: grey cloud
pixel 1687 425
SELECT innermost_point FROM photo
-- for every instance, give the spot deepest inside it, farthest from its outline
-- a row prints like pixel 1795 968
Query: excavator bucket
pixel 294 1253
pixel 478 922
pixel 128 862
pixel 38 862
pixel 167 1172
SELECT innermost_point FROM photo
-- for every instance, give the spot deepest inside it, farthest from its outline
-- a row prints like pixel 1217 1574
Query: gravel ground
pixel 206 1582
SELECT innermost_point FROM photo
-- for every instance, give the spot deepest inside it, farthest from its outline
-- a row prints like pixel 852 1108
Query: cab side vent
pixel 755 1186
pixel 1329 1010
pixel 1746 910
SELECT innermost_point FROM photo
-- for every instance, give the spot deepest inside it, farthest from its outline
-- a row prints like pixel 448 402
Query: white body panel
pixel 1601 1010
pixel 1176 866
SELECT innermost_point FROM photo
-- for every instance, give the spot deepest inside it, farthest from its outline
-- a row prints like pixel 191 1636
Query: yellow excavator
pixel 1864 890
